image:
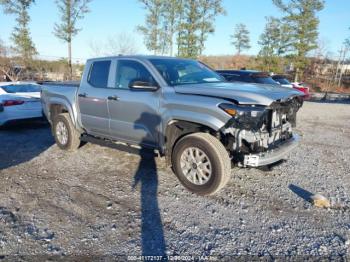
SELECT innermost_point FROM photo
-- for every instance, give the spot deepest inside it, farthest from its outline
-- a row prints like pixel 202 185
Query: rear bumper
pixel 273 155
pixel 10 116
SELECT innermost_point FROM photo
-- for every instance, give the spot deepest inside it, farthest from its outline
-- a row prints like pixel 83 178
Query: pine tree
pixel 240 38
pixel 188 40
pixel 300 17
pixel 190 20
pixel 155 29
pixel 171 14
pixel 71 11
pixel 23 44
pixel 274 42
pixel 347 42
pixel 209 10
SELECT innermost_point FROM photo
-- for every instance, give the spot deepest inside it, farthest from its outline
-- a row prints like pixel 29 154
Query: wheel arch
pixel 177 129
pixel 58 106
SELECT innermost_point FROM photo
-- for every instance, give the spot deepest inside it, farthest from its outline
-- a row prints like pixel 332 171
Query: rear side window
pixel 99 73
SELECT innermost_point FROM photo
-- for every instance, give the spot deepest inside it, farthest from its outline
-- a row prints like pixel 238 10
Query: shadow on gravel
pixel 20 143
pixel 152 234
pixel 304 194
pixel 270 167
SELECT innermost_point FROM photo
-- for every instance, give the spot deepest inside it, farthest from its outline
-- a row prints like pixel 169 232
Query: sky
pixel 109 18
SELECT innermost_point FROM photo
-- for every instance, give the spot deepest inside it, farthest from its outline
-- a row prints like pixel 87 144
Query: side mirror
pixel 143 85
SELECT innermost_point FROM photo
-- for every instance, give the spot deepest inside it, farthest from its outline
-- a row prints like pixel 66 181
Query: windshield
pixel 26 88
pixel 183 72
pixel 283 81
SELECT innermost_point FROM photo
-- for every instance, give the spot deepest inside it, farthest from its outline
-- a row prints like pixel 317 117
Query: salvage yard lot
pixel 101 201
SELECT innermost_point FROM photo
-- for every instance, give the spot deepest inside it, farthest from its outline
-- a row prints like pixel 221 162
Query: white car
pixel 19 101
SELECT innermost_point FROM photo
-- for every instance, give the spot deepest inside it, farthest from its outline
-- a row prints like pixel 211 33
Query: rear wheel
pixel 201 163
pixel 66 136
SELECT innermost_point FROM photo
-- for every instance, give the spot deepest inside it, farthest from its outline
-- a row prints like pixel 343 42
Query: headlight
pixel 238 111
pixel 229 109
pixel 245 117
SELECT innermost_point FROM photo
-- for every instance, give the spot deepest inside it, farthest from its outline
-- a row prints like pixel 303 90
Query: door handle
pixel 83 95
pixel 115 98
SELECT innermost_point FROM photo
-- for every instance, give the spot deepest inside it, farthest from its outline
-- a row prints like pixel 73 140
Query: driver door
pixel 134 114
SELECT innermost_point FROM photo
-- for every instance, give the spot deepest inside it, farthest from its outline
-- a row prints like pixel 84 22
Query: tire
pixel 63 127
pixel 190 174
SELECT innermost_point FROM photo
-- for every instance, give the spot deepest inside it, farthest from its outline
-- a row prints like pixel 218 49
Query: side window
pixel 247 79
pixel 232 77
pixel 99 73
pixel 128 70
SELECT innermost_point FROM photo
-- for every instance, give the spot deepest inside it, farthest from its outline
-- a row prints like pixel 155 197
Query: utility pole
pixel 339 70
pixel 342 66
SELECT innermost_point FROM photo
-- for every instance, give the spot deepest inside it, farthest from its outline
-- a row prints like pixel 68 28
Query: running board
pixel 132 149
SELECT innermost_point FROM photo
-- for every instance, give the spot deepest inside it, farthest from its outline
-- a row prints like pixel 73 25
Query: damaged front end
pixel 259 135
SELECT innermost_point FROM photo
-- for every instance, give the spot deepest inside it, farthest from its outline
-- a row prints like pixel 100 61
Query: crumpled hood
pixel 243 93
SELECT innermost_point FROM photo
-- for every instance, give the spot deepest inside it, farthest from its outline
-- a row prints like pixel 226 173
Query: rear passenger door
pixel 134 114
pixel 92 98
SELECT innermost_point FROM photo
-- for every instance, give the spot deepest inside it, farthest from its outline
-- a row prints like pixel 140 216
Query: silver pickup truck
pixel 179 108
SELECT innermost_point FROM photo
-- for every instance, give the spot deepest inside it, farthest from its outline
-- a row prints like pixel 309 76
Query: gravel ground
pixel 99 201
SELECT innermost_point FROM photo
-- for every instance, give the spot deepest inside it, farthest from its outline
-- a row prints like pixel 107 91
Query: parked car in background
pixel 282 80
pixel 248 76
pixel 19 101
pixel 258 77
pixel 302 87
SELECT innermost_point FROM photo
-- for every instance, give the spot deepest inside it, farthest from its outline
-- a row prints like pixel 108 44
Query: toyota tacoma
pixel 179 108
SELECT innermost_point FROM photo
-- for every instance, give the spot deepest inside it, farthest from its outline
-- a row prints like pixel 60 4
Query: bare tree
pixel 96 48
pixel 71 11
pixel 121 44
pixel 340 65
pixel 7 66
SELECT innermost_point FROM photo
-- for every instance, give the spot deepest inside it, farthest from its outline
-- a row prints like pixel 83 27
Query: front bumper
pixel 273 155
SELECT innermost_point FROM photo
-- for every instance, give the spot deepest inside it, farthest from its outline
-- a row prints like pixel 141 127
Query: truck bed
pixel 62 93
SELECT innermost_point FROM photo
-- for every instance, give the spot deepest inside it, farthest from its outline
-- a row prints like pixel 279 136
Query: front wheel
pixel 201 163
pixel 66 136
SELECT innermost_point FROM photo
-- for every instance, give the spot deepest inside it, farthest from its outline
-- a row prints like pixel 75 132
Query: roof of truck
pixel 138 57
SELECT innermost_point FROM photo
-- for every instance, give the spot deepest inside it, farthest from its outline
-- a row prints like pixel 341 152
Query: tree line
pixel 184 23
pixel 182 27
pixel 290 38
pixel 189 22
